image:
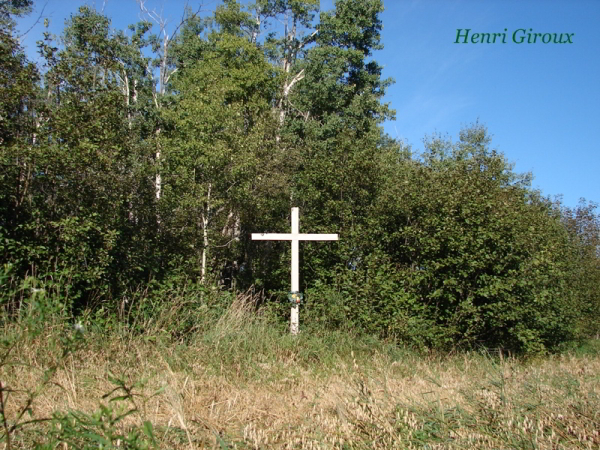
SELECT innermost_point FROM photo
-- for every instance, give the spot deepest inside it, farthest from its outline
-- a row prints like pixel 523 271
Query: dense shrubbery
pixel 126 193
pixel 465 253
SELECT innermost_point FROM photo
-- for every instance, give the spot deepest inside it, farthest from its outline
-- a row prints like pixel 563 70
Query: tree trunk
pixel 205 220
pixel 289 57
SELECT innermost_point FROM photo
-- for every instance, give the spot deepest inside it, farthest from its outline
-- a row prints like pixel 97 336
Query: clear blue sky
pixel 541 102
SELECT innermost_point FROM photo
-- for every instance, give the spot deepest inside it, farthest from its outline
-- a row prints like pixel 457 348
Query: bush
pixel 464 254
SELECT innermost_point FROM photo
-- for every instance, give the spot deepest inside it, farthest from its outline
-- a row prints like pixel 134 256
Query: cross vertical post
pixel 295 237
pixel 295 313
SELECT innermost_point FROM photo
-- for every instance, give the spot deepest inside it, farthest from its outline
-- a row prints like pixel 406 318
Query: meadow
pixel 243 382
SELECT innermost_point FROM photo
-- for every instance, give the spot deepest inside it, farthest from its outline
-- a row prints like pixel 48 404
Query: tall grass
pixel 236 379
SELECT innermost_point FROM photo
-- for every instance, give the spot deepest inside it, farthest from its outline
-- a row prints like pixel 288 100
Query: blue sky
pixel 540 102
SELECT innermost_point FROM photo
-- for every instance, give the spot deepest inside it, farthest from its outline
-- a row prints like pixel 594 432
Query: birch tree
pixel 219 128
pixel 162 43
pixel 96 160
pixel 297 20
pixel 289 27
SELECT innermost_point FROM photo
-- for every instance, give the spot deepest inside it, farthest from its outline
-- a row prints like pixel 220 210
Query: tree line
pixel 137 160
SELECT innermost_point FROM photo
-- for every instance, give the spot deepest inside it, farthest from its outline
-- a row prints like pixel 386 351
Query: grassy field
pixel 246 384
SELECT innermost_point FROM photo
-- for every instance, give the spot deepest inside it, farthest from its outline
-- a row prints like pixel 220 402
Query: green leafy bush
pixel 465 254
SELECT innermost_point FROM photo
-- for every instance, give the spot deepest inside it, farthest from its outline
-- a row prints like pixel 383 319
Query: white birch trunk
pixel 158 179
pixel 288 59
pixel 205 221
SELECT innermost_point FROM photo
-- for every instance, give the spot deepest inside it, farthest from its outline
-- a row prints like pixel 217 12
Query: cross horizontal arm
pixel 271 237
pixel 290 237
pixel 317 237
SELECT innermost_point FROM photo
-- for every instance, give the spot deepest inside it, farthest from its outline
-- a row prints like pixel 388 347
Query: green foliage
pixel 33 310
pixel 10 9
pixel 467 249
pixel 219 132
pixel 583 226
pixel 178 308
pixel 134 170
pixel 76 191
pixel 29 310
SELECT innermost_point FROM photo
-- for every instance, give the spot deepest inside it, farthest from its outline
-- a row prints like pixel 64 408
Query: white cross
pixel 295 237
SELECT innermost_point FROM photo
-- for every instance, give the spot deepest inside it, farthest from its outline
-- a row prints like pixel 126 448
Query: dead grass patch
pixel 202 396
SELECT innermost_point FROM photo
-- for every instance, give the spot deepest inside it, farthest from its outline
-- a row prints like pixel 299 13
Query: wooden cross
pixel 295 237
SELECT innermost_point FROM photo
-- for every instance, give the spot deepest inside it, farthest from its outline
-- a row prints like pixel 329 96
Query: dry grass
pixel 215 393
